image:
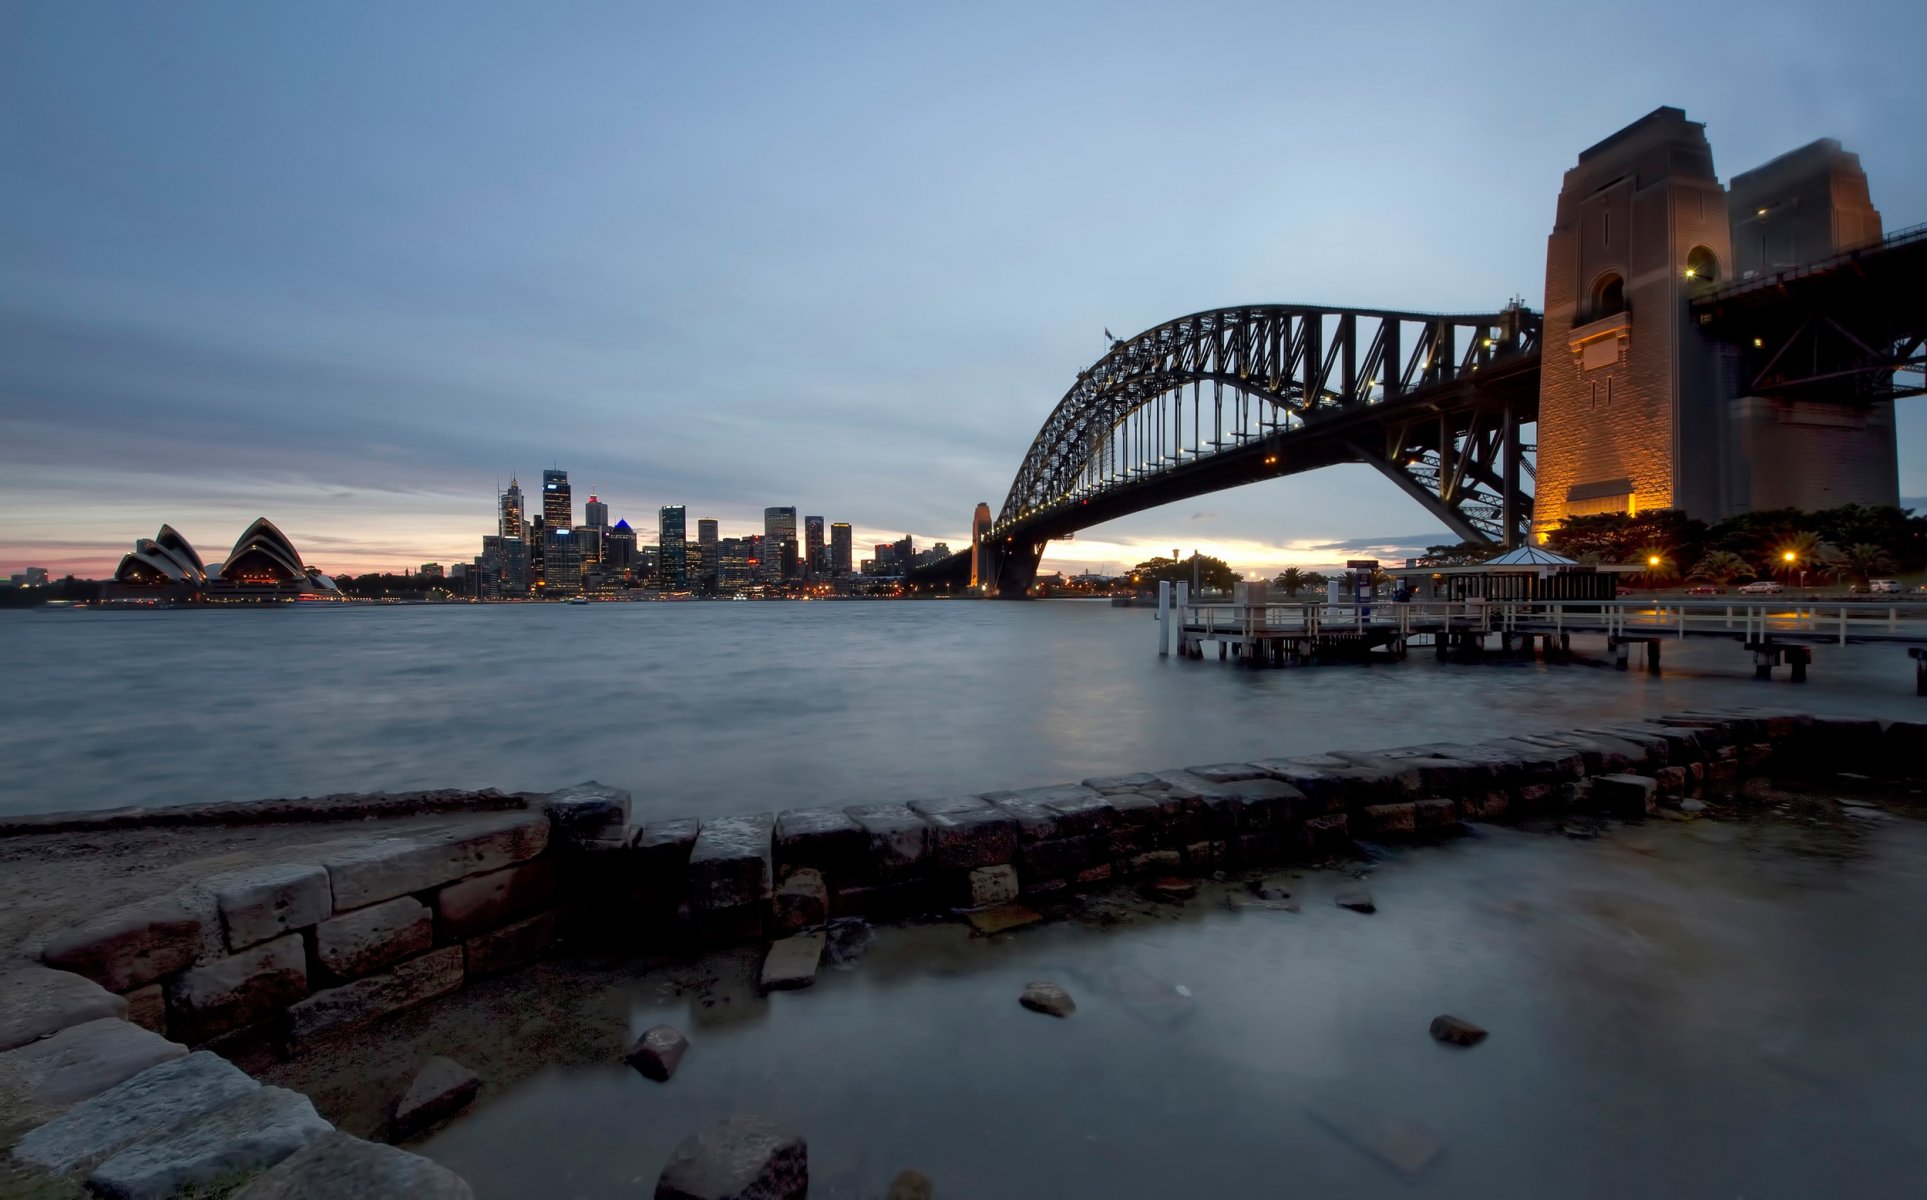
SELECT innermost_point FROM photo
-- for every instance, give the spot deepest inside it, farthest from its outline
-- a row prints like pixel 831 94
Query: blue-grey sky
pixel 354 265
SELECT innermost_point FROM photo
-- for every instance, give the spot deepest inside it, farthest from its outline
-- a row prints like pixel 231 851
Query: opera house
pixel 263 566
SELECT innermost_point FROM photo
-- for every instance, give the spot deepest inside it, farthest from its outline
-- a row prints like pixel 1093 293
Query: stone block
pixel 383 868
pixel 824 839
pixel 127 947
pixel 662 847
pixel 792 961
pixel 1227 772
pixel 731 863
pixel 484 902
pixel 1093 875
pixel 512 946
pixel 1723 774
pixel 967 832
pixel 1156 862
pixel 151 1102
pixel 1601 754
pixel 886 901
pixel 253 1131
pixel 1205 855
pixel 898 839
pixel 1260 847
pixel 1656 751
pixel 1062 858
pixel 84 1060
pixel 36 1001
pixel 147 1007
pixel 738 1158
pixel 1438 813
pixel 1626 795
pixel 354 1005
pixel 1136 782
pixel 1324 836
pixel 1442 772
pixel 1519 762
pixel 1036 822
pixel 1682 743
pixel 1536 798
pixel 240 990
pixel 1492 806
pixel 442 1088
pixel 992 885
pixel 336 1166
pixel 1386 820
pixel 1754 756
pixel 268 901
pixel 801 901
pixel 366 940
pixel 588 815
pixel 1251 805
pixel 1330 782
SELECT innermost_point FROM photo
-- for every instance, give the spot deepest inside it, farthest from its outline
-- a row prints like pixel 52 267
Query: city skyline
pixel 717 264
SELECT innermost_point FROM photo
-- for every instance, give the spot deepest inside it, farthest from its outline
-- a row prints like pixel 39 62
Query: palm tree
pixel 1290 581
pixel 1864 560
pixel 1721 567
pixel 1797 553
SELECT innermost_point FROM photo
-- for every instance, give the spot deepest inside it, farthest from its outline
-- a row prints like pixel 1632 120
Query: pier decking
pixel 1776 630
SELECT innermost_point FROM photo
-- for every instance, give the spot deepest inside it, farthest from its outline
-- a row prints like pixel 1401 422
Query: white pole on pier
pixel 1164 618
pixel 1177 626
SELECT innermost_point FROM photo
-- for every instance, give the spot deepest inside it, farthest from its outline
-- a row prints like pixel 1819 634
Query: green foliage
pixel 1721 567
pixel 1760 541
pixel 1463 554
pixel 1211 572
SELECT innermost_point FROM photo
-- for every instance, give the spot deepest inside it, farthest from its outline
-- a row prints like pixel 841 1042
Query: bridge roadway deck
pixel 1775 629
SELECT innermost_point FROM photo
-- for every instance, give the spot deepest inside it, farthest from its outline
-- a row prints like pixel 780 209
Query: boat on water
pixel 578 599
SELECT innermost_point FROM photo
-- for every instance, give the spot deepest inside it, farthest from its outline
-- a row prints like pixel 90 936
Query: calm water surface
pixel 711 708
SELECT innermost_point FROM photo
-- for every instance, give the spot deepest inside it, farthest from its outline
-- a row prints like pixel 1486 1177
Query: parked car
pixel 1762 587
pixel 1704 589
pixel 1886 585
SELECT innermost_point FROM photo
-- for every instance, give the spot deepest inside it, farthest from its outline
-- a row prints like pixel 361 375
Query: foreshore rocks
pixel 738 1158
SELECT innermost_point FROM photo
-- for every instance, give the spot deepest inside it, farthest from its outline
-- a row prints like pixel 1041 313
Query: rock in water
pixel 1358 900
pixel 738 1158
pixel 1456 1031
pixel 443 1088
pixel 792 962
pixel 1047 998
pixel 657 1053
pixel 911 1185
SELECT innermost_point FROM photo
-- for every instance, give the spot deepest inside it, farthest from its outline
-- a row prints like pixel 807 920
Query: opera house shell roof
pixel 263 565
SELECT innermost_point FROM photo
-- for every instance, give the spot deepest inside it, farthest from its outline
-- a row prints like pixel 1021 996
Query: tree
pixel 1798 552
pixel 1463 554
pixel 1315 581
pixel 1290 581
pixel 1862 561
pixel 1213 573
pixel 1721 567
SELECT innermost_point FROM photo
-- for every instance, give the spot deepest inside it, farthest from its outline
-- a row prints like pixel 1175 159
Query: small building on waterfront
pixel 1529 573
pixel 262 567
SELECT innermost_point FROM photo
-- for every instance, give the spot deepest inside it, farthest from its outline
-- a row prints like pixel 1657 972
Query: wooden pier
pixel 1254 631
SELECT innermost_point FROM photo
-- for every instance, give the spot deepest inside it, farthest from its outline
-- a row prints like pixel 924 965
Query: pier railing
pixel 1766 618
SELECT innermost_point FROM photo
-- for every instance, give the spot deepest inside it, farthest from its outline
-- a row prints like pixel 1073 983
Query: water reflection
pixel 1672 1014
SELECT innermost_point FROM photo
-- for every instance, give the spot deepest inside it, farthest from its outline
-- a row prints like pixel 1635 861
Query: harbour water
pixel 713 708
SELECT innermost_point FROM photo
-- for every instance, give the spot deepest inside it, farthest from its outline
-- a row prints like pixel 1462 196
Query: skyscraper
pixel 779 527
pixel 558 510
pixel 672 563
pixel 595 513
pixel 509 522
pixel 538 551
pixel 812 545
pixel 712 553
pixel 619 549
pixel 588 540
pixel 562 562
pixel 840 560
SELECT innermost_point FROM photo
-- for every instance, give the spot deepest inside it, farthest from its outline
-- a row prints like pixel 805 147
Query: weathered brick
pixel 354 1005
pixel 1437 812
pixel 731 863
pixel 1061 858
pixel 967 832
pixel 1386 820
pixel 36 1001
pixel 265 902
pixel 511 946
pixel 368 939
pixel 992 885
pixel 899 839
pixel 826 839
pixel 127 947
pixel 801 901
pixel 147 1007
pixel 383 868
pixel 482 902
pixel 1626 795
pixel 231 992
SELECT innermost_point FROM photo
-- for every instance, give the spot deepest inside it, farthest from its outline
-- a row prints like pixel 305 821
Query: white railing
pixel 1747 618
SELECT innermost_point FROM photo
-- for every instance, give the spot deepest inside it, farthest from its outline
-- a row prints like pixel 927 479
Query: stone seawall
pixel 264 961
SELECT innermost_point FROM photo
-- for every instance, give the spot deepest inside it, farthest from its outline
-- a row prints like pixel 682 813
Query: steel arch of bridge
pixel 1294 370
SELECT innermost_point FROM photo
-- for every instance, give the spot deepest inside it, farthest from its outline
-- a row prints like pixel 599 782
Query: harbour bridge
pixel 1772 340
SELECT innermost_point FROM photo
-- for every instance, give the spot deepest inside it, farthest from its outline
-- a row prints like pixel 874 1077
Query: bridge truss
pixel 1437 403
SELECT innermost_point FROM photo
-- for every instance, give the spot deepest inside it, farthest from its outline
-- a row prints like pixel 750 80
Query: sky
pixel 354 266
